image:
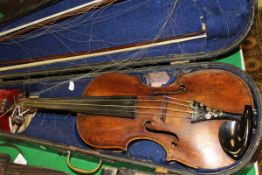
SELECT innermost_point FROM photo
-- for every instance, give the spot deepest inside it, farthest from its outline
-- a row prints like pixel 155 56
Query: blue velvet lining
pixel 128 22
pixel 61 128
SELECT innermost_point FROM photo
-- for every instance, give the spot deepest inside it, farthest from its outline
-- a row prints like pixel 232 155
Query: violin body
pixel 192 144
pixel 161 114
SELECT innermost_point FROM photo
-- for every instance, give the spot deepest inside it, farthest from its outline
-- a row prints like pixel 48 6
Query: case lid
pixel 11 10
pixel 222 25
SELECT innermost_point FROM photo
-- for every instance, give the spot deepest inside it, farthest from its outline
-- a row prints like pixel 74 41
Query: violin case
pixel 227 23
pixel 11 10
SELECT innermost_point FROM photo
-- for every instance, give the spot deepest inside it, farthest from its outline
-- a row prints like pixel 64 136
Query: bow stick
pixel 28 27
pixel 108 51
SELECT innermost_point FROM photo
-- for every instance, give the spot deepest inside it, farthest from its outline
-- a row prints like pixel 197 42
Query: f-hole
pixel 149 127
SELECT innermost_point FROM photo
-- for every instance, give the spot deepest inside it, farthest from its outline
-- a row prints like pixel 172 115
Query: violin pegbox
pixel 9 109
pixel 20 119
pixel 4 105
pixel 8 97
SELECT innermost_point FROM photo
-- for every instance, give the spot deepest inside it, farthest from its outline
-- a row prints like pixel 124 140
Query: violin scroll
pixel 14 117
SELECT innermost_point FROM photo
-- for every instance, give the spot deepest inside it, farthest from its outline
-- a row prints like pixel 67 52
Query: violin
pixel 202 120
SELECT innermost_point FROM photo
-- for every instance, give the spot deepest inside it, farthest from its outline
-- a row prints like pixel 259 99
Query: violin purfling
pixel 202 120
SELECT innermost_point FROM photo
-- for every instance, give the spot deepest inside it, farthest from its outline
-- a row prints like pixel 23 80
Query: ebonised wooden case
pixel 227 24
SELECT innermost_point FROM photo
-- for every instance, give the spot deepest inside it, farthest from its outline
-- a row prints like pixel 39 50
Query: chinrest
pixel 235 136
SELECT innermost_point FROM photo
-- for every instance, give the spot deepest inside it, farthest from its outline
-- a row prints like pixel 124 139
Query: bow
pixel 28 27
pixel 109 51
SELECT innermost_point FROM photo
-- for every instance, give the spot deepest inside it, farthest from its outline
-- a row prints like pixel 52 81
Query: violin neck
pixel 118 106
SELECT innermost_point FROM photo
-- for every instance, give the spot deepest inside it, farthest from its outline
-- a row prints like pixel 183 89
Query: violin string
pixel 138 107
pixel 173 102
pixel 104 105
pixel 121 106
pixel 166 99
pixel 151 113
pixel 129 97
pixel 83 102
pixel 177 99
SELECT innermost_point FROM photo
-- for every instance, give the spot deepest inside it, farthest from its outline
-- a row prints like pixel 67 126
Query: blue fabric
pixel 129 22
pixel 126 22
pixel 61 128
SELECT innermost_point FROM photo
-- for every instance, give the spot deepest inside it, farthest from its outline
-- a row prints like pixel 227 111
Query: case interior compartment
pixel 132 21
pixel 227 22
pixel 61 128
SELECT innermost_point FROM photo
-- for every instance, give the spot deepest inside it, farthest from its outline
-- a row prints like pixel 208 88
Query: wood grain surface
pixel 252 50
pixel 167 123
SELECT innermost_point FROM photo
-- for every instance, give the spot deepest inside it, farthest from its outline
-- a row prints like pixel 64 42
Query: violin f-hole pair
pixel 203 126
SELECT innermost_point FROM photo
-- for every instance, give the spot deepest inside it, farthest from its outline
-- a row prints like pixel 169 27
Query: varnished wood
pixel 195 145
pixel 25 63
pixel 155 118
pixel 120 106
pixel 252 51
